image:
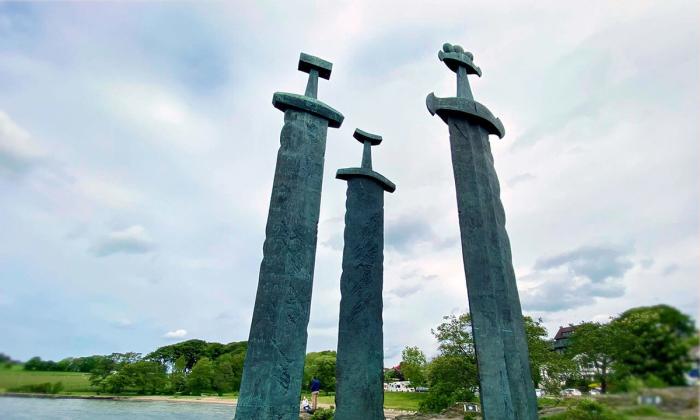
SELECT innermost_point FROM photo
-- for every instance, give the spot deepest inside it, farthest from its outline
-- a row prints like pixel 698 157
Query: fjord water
pixel 12 408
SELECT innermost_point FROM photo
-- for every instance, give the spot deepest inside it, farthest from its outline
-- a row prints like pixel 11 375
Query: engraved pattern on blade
pixel 277 343
pixel 507 391
pixel 498 327
pixel 360 359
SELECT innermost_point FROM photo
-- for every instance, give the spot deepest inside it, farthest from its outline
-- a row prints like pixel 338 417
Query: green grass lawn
pixel 403 400
pixel 72 381
pixel 396 400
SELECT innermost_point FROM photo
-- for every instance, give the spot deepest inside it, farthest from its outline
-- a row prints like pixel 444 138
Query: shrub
pixel 442 396
pixel 587 410
pixel 546 402
pixel 43 388
pixel 437 400
pixel 632 384
pixel 643 411
pixel 653 381
pixel 323 414
pixel 57 387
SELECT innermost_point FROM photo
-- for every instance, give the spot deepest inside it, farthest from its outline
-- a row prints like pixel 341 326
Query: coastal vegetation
pixel 646 347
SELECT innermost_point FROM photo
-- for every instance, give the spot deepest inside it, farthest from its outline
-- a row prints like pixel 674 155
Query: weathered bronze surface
pixel 506 386
pixel 360 359
pixel 274 364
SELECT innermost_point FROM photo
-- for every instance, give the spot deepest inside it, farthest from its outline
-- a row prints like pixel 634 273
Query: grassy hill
pixel 15 377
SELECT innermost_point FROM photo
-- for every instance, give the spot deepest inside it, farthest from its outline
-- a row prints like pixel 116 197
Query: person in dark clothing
pixel 315 387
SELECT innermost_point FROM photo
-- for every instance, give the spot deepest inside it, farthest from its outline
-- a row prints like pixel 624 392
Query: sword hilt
pixel 316 68
pixel 368 140
pixel 460 62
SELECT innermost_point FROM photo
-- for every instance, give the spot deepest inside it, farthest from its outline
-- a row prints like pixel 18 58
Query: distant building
pixel 561 339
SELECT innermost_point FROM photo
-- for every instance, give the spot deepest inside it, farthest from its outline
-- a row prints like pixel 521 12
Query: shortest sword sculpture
pixel 506 387
pixel 360 359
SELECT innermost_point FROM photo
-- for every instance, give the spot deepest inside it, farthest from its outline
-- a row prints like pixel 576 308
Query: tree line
pixel 642 347
pixel 189 367
pixel 645 346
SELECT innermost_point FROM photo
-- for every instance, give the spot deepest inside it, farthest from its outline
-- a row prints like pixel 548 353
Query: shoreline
pixel 137 398
pixel 389 413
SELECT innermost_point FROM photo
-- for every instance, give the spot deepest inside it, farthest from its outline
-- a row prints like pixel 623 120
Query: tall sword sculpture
pixel 506 386
pixel 274 364
pixel 360 359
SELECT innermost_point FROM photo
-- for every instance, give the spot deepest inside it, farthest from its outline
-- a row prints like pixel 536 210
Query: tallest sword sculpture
pixel 274 364
pixel 506 387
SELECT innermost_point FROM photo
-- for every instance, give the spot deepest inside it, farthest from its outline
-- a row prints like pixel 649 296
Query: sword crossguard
pixel 365 171
pixel 316 67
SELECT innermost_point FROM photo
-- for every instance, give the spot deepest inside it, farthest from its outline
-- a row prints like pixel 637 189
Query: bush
pixel 442 396
pixel 323 414
pixel 587 410
pixel 653 381
pixel 438 399
pixel 643 411
pixel 44 388
pixel 630 384
pixel 546 402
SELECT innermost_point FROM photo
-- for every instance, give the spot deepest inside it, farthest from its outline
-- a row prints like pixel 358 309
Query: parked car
pixel 400 386
pixel 421 389
pixel 571 392
pixel 595 391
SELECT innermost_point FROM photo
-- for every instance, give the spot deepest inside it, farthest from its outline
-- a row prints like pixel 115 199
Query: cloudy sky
pixel 138 144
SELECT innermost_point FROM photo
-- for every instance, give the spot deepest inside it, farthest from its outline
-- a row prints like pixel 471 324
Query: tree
pixel 102 370
pixel 597 345
pixel 147 376
pixel 201 377
pixel 657 343
pixel 549 369
pixel 413 364
pixel 322 366
pixel 6 361
pixel 192 350
pixel 454 336
pixel 452 375
pixel 178 378
pixel 394 374
pixel 228 370
pixel 539 349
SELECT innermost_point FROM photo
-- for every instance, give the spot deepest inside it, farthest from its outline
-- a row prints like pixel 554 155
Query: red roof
pixel 562 332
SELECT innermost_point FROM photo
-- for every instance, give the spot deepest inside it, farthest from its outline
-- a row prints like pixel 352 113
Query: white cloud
pixel 175 334
pixel 177 140
pixel 132 240
pixel 18 152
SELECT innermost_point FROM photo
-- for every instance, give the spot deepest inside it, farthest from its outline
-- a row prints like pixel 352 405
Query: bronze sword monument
pixel 274 363
pixel 506 386
pixel 360 360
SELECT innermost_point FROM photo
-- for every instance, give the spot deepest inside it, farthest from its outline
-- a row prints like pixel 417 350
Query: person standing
pixel 315 387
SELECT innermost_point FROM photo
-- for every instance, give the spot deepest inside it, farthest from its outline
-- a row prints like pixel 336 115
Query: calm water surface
pixel 74 409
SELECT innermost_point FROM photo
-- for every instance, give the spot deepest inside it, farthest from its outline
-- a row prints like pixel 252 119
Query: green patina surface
pixel 506 387
pixel 274 364
pixel 360 358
